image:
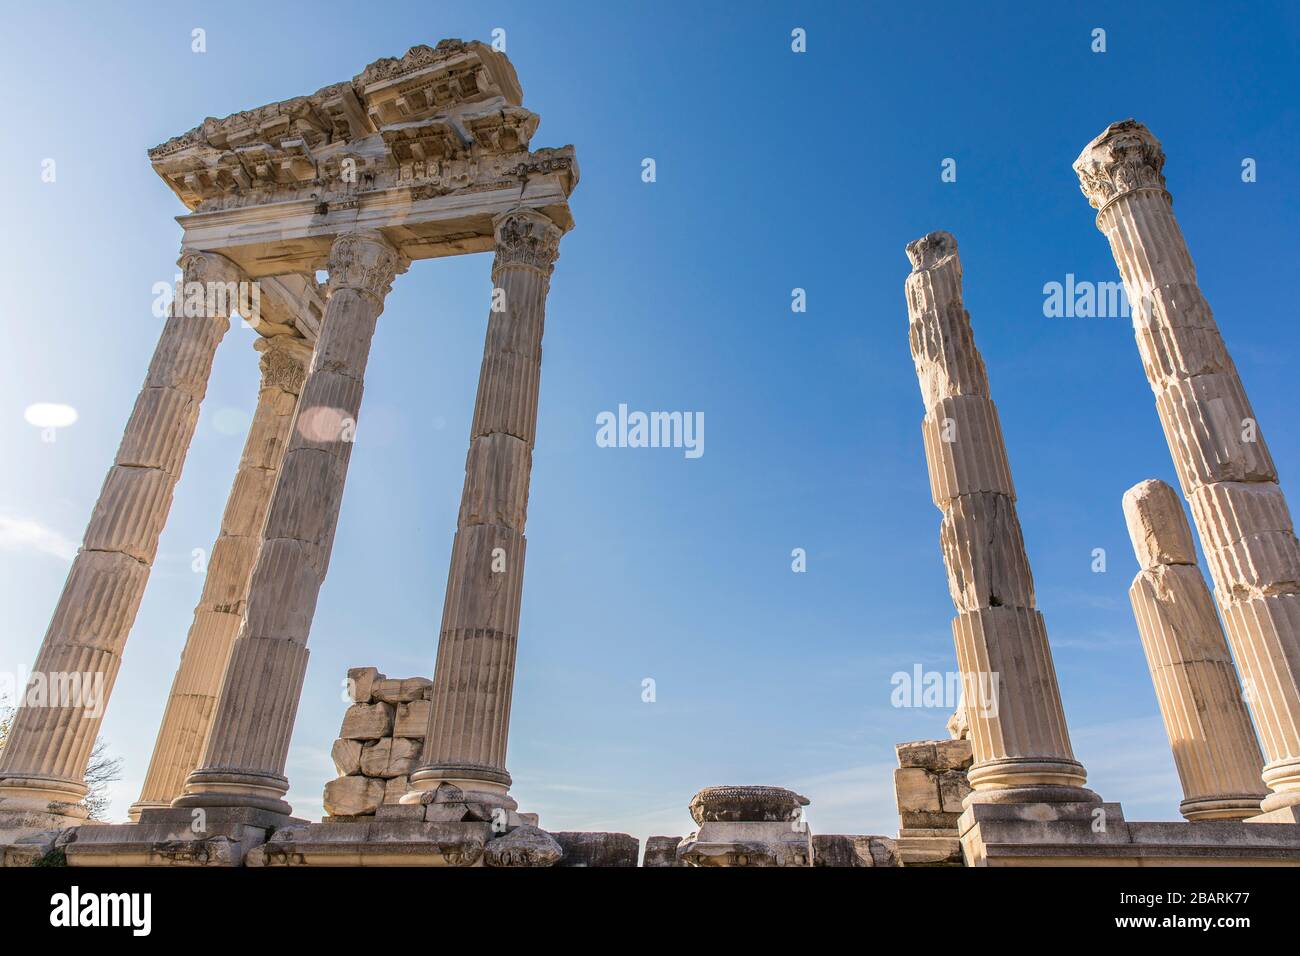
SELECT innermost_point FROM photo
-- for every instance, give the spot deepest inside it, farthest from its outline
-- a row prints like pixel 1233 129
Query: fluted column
pixel 220 610
pixel 1214 745
pixel 474 675
pixel 243 762
pixel 1013 705
pixel 43 764
pixel 1218 447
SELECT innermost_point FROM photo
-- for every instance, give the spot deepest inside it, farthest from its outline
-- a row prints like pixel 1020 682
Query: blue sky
pixel 775 170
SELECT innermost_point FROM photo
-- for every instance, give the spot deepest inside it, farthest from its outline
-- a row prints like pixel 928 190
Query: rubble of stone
pixel 380 742
pixel 930 787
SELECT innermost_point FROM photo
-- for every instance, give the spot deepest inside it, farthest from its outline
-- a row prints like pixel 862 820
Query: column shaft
pixel 1013 705
pixel 1213 743
pixel 43 764
pixel 474 675
pixel 220 610
pixel 243 762
pixel 1217 445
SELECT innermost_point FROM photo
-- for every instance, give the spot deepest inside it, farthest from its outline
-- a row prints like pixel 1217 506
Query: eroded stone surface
pixel 1216 441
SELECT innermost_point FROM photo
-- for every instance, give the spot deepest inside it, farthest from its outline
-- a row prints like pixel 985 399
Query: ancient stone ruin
pixel 428 155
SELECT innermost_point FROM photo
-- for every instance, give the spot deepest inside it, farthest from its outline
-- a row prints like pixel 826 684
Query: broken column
pixel 1214 746
pixel 43 764
pixel 1218 448
pixel 747 826
pixel 220 610
pixel 1018 733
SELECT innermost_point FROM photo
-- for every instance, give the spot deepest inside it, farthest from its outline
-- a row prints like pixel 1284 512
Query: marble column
pixel 1218 447
pixel 1018 732
pixel 243 762
pixel 474 676
pixel 43 764
pixel 220 610
pixel 1214 745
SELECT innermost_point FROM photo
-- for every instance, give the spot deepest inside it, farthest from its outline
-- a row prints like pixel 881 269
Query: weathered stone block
pixel 918 753
pixel 662 851
pixel 953 788
pixel 597 849
pixel 840 850
pixel 405 690
pixel 523 846
pixel 367 722
pixel 353 796
pixel 361 683
pixel 413 718
pixel 395 788
pixel 916 790
pixel 390 757
pixel 347 756
pixel 952 754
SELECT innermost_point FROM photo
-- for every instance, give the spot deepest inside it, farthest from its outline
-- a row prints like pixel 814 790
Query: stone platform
pixel 1090 835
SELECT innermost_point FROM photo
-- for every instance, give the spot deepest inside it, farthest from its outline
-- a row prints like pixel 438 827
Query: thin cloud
pixel 26 535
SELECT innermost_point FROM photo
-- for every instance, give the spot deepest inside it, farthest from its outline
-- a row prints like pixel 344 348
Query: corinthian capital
pixel 527 237
pixel 365 261
pixel 209 267
pixel 284 362
pixel 1124 158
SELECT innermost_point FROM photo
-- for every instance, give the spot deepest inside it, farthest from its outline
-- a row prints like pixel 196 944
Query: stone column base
pixel 402 836
pixel 771 843
pixel 212 836
pixel 1289 814
pixel 1089 835
pixel 41 803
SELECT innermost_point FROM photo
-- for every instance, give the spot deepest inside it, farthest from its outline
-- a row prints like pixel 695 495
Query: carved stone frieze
pixel 439 115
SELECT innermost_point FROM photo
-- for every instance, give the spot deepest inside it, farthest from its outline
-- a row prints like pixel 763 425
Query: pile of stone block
pixel 930 785
pixel 380 742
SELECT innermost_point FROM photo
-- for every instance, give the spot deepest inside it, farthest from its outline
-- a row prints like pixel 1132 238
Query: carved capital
pixel 284 362
pixel 526 237
pixel 209 267
pixel 364 261
pixel 1123 159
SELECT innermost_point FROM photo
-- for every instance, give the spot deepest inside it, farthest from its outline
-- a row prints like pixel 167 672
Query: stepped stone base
pixel 393 841
pixel 216 836
pixel 1087 835
pixel 930 786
